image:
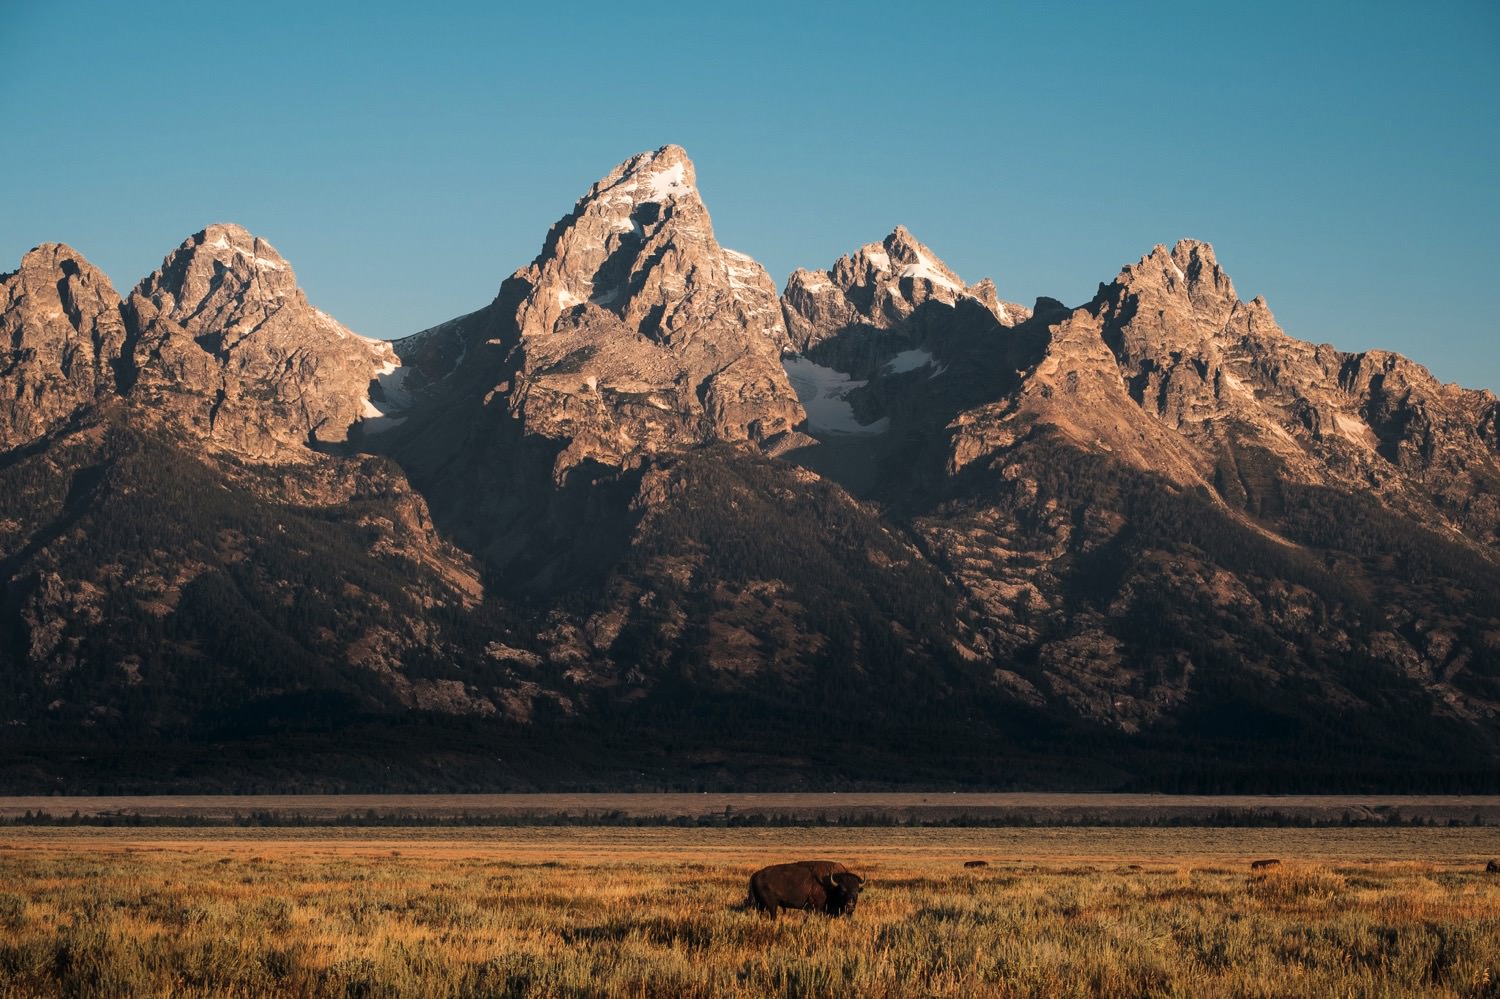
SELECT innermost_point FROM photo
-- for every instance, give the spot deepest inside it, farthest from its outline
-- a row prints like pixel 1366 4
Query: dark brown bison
pixel 1493 867
pixel 976 863
pixel 825 886
pixel 1262 865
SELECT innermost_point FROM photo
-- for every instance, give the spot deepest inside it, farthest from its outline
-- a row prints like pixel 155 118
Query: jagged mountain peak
pixel 55 279
pixel 228 346
pixel 222 268
pixel 62 337
pixel 898 255
pixel 666 174
pixel 216 234
pixel 649 192
pixel 1175 303
pixel 238 248
pixel 633 245
pixel 226 283
pixel 880 285
pixel 1224 377
pixel 902 247
pixel 637 332
pixel 1189 270
pixel 47 255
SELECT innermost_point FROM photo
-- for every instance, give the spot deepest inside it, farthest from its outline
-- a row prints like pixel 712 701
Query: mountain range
pixel 642 521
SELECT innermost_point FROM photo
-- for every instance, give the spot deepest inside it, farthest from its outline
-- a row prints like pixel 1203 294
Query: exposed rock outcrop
pixel 228 348
pixel 1222 374
pixel 879 286
pixel 61 335
pixel 1077 389
pixel 636 333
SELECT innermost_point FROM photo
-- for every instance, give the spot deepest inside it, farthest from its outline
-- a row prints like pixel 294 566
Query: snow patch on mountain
pixel 668 183
pixel 908 360
pixel 925 270
pixel 823 393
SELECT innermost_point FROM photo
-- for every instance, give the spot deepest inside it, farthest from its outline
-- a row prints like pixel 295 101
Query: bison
pixel 814 885
pixel 976 863
pixel 1493 867
pixel 1262 865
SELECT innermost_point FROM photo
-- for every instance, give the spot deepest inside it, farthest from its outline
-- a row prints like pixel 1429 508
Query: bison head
pixel 843 892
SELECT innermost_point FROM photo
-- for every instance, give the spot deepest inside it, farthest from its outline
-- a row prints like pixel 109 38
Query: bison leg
pixel 757 901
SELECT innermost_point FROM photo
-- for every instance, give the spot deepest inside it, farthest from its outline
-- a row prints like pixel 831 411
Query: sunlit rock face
pixel 880 285
pixel 61 338
pixel 637 333
pixel 1221 373
pixel 226 346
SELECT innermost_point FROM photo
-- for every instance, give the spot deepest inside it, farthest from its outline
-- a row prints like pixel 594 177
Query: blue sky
pixel 1342 157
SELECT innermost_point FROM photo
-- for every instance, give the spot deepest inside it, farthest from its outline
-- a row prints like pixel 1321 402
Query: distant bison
pixel 814 885
pixel 976 863
pixel 1261 865
pixel 1493 867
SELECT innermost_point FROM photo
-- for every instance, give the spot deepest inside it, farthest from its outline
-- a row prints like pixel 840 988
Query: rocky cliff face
pixel 228 348
pixel 63 337
pixel 1233 403
pixel 879 286
pixel 1223 375
pixel 637 334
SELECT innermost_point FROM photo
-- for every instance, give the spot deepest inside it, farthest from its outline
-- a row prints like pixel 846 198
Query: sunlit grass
pixel 656 913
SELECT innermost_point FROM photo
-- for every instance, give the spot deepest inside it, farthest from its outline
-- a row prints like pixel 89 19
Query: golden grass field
pixel 654 912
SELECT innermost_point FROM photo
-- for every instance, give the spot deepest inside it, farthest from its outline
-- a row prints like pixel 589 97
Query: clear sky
pixel 1343 158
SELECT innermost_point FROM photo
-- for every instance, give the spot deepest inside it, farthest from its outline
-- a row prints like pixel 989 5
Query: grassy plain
pixel 654 912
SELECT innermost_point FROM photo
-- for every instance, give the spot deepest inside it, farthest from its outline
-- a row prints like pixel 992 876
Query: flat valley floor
pixel 657 912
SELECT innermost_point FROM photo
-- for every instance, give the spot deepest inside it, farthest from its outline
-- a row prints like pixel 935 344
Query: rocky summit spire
pixel 639 333
pixel 1223 375
pixel 880 285
pixel 62 334
pixel 229 347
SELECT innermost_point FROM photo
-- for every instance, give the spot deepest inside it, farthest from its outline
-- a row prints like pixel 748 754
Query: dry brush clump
pixel 315 920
